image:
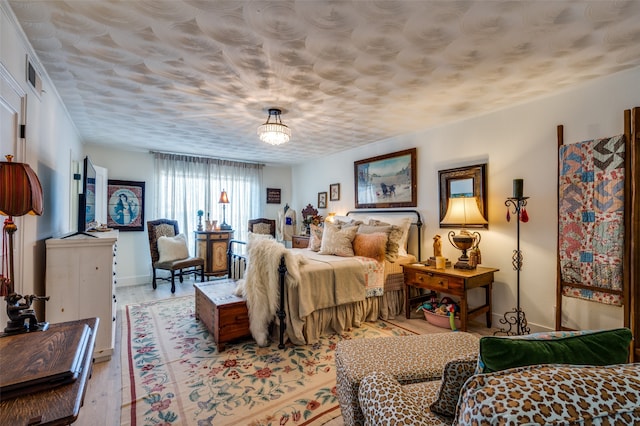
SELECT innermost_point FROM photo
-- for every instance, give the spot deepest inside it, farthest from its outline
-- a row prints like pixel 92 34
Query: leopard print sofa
pixel 533 395
pixel 407 359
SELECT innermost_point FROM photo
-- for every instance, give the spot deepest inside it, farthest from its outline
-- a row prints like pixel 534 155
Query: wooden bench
pixel 224 314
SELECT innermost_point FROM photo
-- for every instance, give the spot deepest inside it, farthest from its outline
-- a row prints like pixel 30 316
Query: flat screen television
pixel 87 199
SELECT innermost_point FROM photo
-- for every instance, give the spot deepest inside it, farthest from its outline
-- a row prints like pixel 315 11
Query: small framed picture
pixel 334 192
pixel 273 196
pixel 322 200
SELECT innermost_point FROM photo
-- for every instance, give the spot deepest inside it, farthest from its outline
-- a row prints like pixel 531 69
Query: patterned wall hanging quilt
pixel 591 218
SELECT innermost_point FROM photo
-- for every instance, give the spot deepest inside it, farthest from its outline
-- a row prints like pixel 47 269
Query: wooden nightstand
pixel 300 241
pixel 212 246
pixel 455 282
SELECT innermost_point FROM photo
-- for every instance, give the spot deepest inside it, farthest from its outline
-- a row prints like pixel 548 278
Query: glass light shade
pixel 274 132
pixel 463 211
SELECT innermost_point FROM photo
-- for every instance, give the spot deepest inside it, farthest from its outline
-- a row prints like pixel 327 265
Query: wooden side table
pixel 212 246
pixel 56 406
pixel 300 241
pixel 456 282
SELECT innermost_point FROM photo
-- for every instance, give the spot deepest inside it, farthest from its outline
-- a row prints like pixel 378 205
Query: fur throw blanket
pixel 261 285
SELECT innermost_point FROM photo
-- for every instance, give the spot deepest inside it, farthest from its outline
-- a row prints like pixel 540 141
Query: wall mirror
pixel 467 181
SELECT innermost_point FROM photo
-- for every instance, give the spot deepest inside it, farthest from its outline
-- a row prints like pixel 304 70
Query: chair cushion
pixel 172 248
pixel 602 347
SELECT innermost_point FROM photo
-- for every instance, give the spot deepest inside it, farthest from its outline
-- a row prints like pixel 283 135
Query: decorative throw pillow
pixel 394 234
pixel 338 241
pixel 454 376
pixel 603 347
pixel 315 237
pixel 371 245
pixel 172 248
pixel 404 223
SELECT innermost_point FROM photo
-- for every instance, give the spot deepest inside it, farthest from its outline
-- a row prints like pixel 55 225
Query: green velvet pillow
pixel 603 347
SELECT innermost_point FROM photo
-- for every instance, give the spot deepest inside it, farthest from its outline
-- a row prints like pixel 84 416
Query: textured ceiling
pixel 197 77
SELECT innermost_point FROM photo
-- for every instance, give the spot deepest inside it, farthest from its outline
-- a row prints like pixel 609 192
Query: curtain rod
pixel 206 157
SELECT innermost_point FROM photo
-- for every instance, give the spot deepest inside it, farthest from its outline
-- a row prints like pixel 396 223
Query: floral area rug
pixel 172 373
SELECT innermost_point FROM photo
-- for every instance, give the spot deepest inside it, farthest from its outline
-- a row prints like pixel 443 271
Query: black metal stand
pixel 516 317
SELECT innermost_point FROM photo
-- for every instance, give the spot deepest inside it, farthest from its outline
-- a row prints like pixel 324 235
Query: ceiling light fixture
pixel 274 132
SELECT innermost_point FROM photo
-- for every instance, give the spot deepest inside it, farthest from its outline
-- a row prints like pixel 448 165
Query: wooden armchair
pixel 169 228
pixel 263 226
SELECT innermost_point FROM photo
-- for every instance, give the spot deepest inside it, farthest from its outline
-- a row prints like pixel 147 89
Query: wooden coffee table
pixel 224 314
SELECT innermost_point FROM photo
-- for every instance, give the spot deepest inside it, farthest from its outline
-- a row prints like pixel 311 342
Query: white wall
pixel 134 260
pixel 52 145
pixel 519 142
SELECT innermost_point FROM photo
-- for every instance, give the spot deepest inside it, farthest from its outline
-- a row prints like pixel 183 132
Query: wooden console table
pixel 56 406
pixel 456 282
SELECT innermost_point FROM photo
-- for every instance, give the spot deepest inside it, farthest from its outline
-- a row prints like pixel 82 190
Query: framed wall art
pixel 322 200
pixel 273 196
pixel 125 205
pixel 387 181
pixel 334 192
pixel 467 181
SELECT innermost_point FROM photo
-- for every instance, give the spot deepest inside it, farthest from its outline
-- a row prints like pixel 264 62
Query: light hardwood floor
pixel 104 393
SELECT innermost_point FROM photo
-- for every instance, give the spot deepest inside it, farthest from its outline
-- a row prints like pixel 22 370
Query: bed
pixel 320 290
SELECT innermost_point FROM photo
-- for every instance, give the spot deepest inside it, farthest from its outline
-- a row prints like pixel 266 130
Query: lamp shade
pixel 224 199
pixel 20 189
pixel 463 211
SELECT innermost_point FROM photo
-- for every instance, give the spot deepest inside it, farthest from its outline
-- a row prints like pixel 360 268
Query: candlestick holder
pixel 516 317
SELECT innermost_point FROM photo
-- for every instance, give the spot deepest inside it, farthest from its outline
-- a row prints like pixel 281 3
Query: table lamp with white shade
pixel 463 211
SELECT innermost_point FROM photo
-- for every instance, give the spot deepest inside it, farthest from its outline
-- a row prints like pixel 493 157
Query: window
pixel 187 184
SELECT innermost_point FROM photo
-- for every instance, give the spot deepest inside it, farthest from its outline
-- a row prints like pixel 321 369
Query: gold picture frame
pixel 386 181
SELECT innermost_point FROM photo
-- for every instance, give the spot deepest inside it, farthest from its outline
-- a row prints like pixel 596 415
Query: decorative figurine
pixel 437 246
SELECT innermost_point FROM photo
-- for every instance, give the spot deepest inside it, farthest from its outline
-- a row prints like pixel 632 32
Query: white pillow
pixel 403 222
pixel 172 248
pixel 338 241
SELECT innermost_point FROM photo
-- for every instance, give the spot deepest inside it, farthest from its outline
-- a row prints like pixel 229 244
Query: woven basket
pixel 440 320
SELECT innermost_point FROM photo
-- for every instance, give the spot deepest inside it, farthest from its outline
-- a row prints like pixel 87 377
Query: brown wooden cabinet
pixel 212 246
pixel 455 282
pixel 300 241
pixel 224 314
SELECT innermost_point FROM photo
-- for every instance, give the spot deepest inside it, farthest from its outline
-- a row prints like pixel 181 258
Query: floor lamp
pixel 20 194
pixel 516 317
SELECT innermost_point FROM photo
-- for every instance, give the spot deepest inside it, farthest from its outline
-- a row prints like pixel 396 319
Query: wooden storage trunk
pixel 224 314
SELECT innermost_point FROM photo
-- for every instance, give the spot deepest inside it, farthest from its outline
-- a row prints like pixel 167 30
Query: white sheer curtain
pixel 187 184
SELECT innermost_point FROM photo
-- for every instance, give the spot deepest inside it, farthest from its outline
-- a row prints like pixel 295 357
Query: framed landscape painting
pixel 387 181
pixel 125 205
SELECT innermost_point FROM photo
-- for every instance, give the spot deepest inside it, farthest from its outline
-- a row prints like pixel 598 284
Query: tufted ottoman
pixel 410 359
